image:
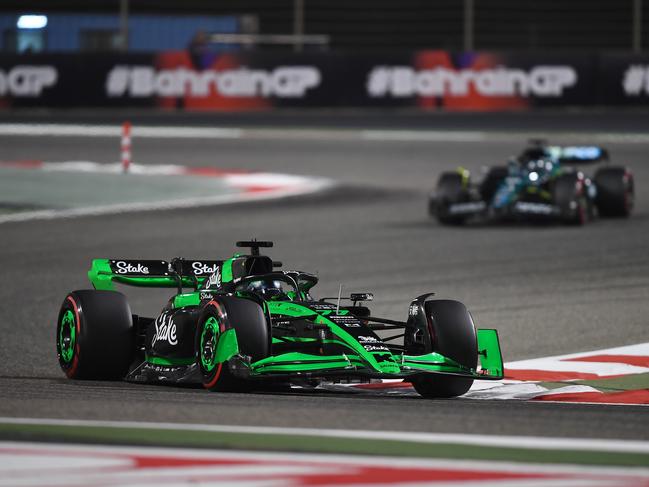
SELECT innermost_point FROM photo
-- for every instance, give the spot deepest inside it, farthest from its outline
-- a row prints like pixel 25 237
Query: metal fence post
pixel 637 26
pixel 298 23
pixel 468 25
pixel 123 24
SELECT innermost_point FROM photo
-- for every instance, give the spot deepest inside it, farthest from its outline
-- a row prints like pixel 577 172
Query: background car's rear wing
pixel 578 154
pixel 150 273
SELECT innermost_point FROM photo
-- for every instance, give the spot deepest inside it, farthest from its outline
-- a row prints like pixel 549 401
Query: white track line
pixel 571 363
pixel 78 130
pixel 327 134
pixel 528 442
pixel 602 369
pixel 424 136
pixel 636 349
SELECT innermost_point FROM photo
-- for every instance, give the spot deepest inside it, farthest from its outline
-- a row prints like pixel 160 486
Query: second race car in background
pixel 541 183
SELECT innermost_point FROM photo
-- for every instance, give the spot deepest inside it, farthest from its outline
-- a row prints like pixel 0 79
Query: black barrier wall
pixel 253 80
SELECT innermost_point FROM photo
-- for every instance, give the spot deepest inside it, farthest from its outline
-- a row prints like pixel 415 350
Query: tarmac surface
pixel 548 289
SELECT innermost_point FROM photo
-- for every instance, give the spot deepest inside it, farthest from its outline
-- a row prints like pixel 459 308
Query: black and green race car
pixel 542 183
pixel 240 324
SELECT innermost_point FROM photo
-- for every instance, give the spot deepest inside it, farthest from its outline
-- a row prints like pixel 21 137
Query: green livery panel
pixel 307 338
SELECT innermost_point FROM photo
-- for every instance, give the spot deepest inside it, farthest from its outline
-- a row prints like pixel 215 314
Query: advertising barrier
pixel 245 80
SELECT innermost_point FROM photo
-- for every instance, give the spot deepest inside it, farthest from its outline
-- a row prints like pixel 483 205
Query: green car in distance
pixel 239 323
pixel 542 184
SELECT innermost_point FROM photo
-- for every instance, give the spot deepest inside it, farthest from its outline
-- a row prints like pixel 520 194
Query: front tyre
pixel 569 195
pixel 94 335
pixel 451 189
pixel 452 335
pixel 219 315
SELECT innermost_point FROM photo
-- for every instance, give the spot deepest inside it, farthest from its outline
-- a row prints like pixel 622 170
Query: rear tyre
pixel 454 336
pixel 94 335
pixel 570 197
pixel 451 189
pixel 219 315
pixel 615 192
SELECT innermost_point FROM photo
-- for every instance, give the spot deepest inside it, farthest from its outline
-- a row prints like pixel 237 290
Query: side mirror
pixel 359 297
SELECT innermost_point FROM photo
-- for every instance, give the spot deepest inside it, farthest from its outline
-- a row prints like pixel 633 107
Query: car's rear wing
pixel 578 154
pixel 104 273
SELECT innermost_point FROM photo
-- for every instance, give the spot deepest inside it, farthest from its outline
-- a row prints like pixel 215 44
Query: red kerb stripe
pixel 213 171
pixel 637 360
pixel 551 375
pixel 384 385
pixel 639 396
pixel 22 164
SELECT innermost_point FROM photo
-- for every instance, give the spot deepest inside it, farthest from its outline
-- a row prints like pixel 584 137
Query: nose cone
pixel 502 197
pixel 386 363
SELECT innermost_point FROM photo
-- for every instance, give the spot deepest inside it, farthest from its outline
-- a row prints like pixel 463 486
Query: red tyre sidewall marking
pixel 71 371
pixel 213 382
pixel 581 211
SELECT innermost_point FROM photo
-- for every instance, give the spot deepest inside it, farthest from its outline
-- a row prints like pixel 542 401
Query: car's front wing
pixel 518 209
pixel 296 364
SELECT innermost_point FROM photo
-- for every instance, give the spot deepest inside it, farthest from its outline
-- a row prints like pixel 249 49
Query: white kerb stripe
pixel 530 442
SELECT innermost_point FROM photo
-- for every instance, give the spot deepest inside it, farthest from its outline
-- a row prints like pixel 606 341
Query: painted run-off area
pixel 609 376
pixel 228 459
pixel 32 464
pixel 32 190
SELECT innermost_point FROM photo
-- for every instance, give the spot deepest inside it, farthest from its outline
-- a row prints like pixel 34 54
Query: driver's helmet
pixel 533 154
pixel 268 289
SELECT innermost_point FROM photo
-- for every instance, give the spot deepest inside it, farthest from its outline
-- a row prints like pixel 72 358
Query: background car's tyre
pixel 221 314
pixel 94 335
pixel 569 195
pixel 492 182
pixel 615 192
pixel 454 336
pixel 451 188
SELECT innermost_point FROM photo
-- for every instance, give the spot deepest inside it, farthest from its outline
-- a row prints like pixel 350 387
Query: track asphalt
pixel 548 289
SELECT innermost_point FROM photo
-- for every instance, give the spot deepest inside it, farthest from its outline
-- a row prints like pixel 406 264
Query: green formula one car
pixel 244 323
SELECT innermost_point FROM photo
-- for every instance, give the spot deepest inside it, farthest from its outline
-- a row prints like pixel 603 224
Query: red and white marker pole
pixel 126 147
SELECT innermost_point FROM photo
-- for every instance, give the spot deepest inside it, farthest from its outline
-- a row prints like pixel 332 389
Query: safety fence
pixel 240 80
